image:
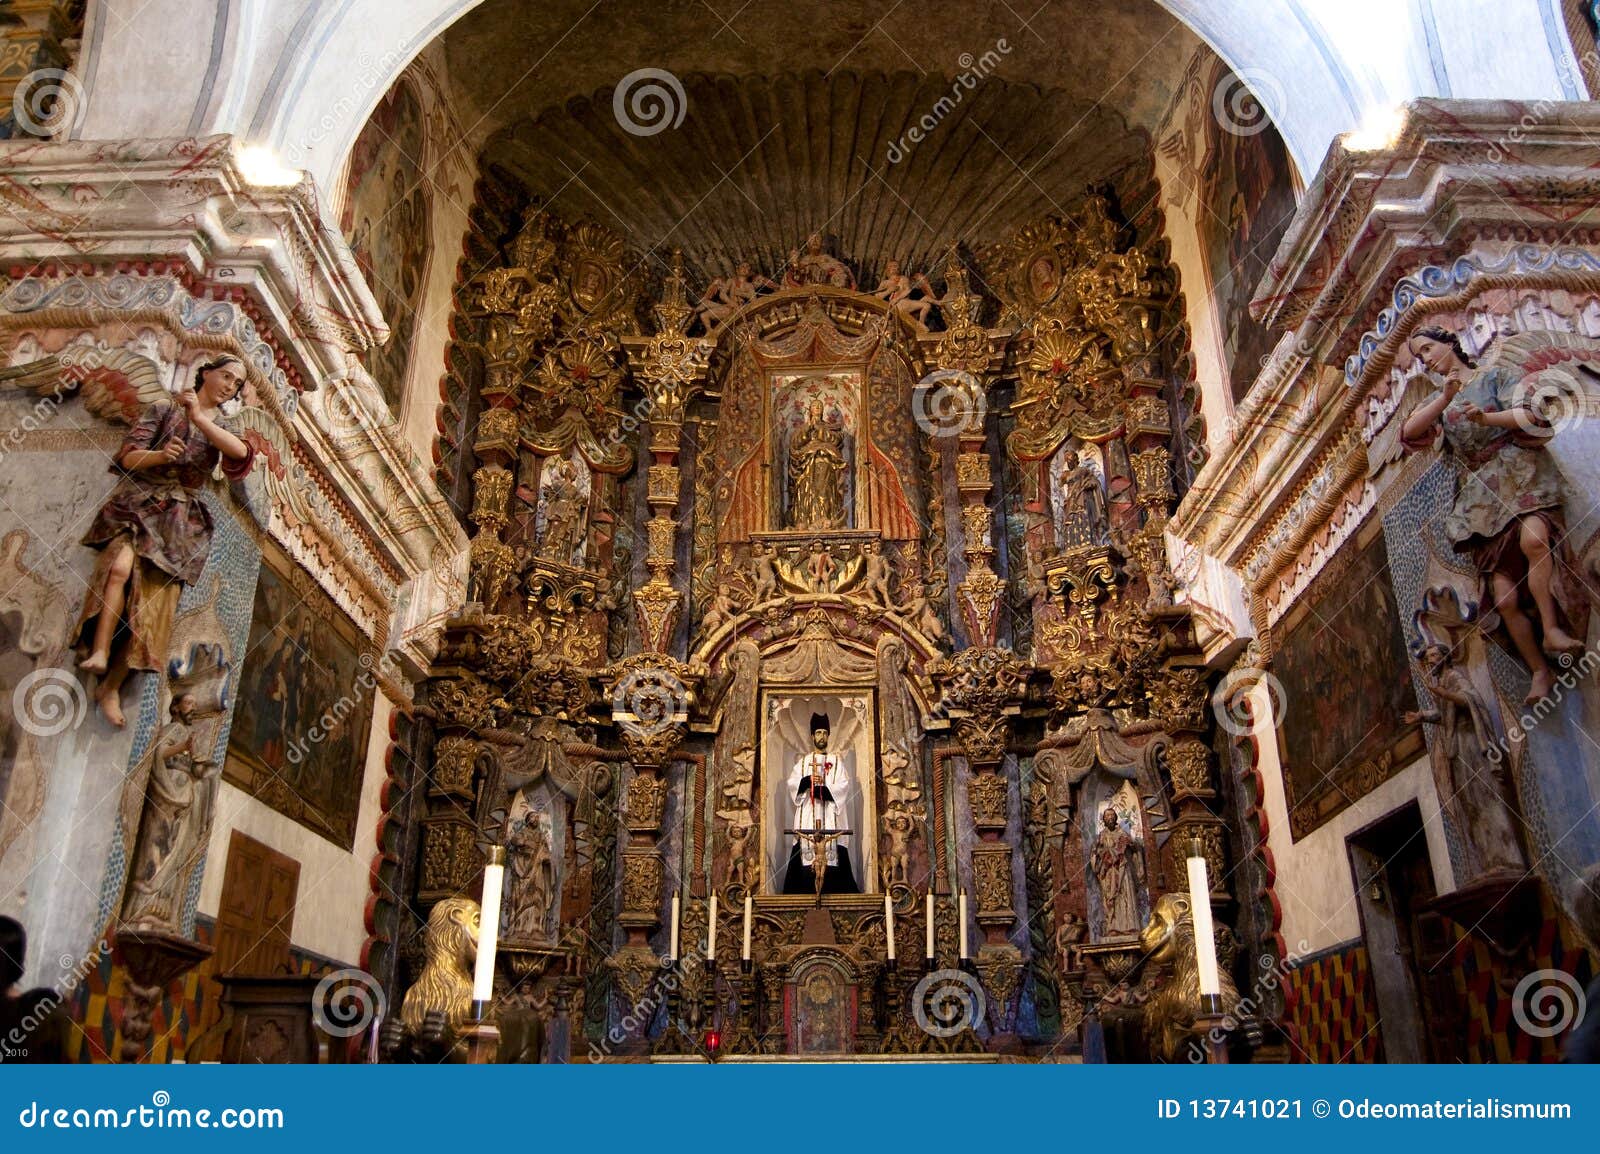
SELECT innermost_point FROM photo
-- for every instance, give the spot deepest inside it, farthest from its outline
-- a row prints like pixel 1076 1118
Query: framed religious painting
pixel 304 711
pixel 1346 677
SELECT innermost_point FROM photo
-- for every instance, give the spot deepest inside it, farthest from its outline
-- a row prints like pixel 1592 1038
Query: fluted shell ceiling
pixel 758 164
pixel 789 108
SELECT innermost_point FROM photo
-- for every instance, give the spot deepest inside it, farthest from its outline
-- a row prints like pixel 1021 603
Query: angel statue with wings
pixel 154 532
pixel 1507 512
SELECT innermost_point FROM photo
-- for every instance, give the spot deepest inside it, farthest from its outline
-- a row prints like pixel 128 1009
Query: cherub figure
pixel 897 829
pixel 897 289
pixel 764 568
pixel 876 583
pixel 820 566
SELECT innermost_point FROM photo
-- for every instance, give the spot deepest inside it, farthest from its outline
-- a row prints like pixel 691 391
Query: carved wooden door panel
pixel 256 912
pixel 255 916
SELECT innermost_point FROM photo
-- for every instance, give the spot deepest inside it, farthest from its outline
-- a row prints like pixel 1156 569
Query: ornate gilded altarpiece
pixel 705 519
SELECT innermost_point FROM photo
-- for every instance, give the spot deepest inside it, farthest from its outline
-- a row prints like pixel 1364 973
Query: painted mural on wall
pixel 1247 198
pixel 385 220
pixel 305 706
pixel 1347 687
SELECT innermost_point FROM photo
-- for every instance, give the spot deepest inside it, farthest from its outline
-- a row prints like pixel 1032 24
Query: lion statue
pixel 444 987
pixel 1168 940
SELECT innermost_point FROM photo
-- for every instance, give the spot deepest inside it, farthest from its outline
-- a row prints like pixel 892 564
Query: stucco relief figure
pixel 158 871
pixel 531 887
pixel 900 291
pixel 1467 763
pixel 1507 513
pixel 154 532
pixel 1117 862
pixel 816 474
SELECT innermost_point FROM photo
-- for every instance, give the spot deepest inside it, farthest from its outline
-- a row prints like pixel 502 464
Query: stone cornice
pixel 1458 170
pixel 170 234
pixel 1473 195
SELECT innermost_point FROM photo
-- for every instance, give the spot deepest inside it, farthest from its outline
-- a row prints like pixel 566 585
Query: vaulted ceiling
pixel 790 108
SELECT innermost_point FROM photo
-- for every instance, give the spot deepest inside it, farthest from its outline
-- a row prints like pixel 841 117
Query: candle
pixel 711 931
pixel 961 915
pixel 929 921
pixel 673 949
pixel 888 924
pixel 1205 938
pixel 494 878
pixel 745 956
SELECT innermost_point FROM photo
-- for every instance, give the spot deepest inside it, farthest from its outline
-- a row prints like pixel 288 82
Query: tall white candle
pixel 746 954
pixel 711 931
pixel 1205 937
pixel 888 924
pixel 494 880
pixel 961 914
pixel 676 910
pixel 929 919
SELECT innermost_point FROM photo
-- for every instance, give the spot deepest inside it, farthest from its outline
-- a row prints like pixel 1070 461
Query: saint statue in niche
pixel 816 474
pixel 820 785
pixel 1117 862
pixel 531 888
pixel 1084 523
pixel 563 501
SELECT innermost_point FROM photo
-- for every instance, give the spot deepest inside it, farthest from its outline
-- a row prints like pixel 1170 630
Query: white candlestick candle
pixel 494 880
pixel 929 921
pixel 711 931
pixel 1205 937
pixel 676 912
pixel 961 915
pixel 745 956
pixel 888 924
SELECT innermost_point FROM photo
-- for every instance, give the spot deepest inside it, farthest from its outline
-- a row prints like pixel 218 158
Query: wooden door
pixel 255 918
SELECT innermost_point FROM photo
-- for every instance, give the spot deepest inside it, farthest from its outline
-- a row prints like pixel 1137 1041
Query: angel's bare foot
pixel 1543 682
pixel 109 700
pixel 1558 641
pixel 95 663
